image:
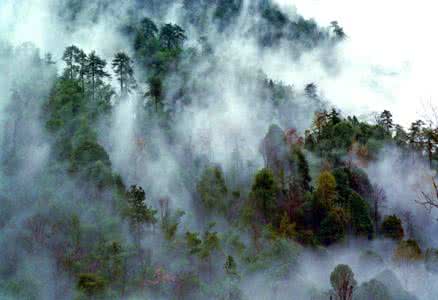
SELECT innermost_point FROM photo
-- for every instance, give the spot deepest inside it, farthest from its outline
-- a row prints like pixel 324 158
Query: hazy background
pixel 389 59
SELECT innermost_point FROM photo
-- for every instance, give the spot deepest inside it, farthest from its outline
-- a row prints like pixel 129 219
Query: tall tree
pixel 264 194
pixel 172 36
pixel 392 228
pixel 148 28
pixel 311 90
pixel 385 120
pixel 82 62
pixel 326 189
pixel 155 91
pixel 138 212
pixel 96 71
pixel 337 30
pixel 122 66
pixel 430 138
pixel 414 134
pixel 69 57
pixel 212 189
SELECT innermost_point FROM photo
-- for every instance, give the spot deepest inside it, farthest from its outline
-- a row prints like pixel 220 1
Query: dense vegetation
pixel 114 239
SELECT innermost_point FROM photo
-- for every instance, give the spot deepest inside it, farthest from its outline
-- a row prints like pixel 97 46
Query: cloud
pixel 389 59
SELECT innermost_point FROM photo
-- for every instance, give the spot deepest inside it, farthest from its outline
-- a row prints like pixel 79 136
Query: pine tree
pixel 122 66
pixel 82 62
pixel 96 72
pixel 69 57
pixel 172 36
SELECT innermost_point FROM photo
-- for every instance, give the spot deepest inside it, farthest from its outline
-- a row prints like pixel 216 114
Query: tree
pixel 430 138
pixel 334 117
pixel 343 282
pixel 311 90
pixel 148 28
pixel 320 121
pixel 401 136
pixel 333 227
pixel 170 223
pixel 337 30
pixel 429 199
pixel 230 266
pixel 91 284
pixel 264 194
pixel 303 170
pixel 326 189
pixel 82 62
pixel 146 32
pixel 212 189
pixel 122 66
pixel 137 210
pixel 155 91
pixel 286 229
pixel 96 71
pixel 69 57
pixel 360 215
pixel 172 36
pixel 385 120
pixel 392 228
pixel 414 134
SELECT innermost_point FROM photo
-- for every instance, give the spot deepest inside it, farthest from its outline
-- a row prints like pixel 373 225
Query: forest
pixel 168 167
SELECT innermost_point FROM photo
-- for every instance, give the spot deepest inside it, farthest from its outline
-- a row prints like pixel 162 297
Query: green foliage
pixel 303 169
pixel 122 66
pixel 87 153
pixel 286 228
pixel 138 211
pixel 392 228
pixel 193 242
pixel 83 231
pixel 326 189
pixel 170 223
pixel 360 216
pixel 264 194
pixel 172 36
pixel 230 266
pixel 212 189
pixel 333 227
pixel 204 247
pixel 91 284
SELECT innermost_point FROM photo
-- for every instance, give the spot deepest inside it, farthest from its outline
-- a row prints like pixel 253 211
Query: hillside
pixel 154 154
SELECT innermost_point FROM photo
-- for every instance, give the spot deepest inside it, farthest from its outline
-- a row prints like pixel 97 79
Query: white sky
pixel 391 56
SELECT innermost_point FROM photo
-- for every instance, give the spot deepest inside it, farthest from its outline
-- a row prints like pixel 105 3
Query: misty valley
pixel 159 149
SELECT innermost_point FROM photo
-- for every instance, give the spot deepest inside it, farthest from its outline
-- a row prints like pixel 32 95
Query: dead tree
pixel 429 199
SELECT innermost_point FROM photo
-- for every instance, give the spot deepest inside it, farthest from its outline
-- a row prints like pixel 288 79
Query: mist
pixel 155 192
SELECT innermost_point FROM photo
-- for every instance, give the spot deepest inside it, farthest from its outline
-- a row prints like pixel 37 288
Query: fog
pixel 386 62
pixel 388 59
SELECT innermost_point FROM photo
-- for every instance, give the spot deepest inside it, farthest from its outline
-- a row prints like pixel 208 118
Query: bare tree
pixel 429 199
